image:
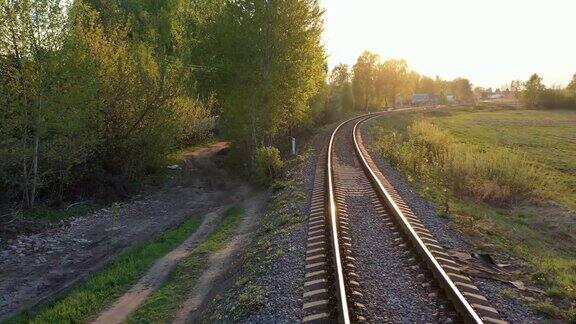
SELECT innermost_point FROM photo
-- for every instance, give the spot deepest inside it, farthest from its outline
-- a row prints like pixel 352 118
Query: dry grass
pixel 496 175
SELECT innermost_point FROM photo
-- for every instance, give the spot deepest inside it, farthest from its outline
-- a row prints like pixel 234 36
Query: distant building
pixel 451 99
pixel 422 99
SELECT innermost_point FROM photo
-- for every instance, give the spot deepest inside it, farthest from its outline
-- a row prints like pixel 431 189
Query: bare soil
pixel 37 266
pixel 212 279
pixel 126 304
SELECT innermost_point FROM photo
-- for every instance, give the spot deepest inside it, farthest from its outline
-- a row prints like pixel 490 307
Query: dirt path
pixel 219 262
pixel 37 266
pixel 158 273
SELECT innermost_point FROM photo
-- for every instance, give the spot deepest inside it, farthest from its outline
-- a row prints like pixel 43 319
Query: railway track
pixel 369 258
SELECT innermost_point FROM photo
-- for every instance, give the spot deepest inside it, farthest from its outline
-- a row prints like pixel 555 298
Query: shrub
pixel 557 99
pixel 268 162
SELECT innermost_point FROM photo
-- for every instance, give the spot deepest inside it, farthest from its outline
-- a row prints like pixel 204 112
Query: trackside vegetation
pixel 96 94
pixel 505 177
pixel 84 300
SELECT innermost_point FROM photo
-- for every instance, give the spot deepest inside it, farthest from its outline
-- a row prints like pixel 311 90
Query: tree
pixel 533 89
pixel 96 91
pixel 31 33
pixel 270 63
pixel 462 89
pixel 426 85
pixel 572 86
pixel 442 88
pixel 392 77
pixel 340 97
pixel 411 84
pixel 516 88
pixel 364 80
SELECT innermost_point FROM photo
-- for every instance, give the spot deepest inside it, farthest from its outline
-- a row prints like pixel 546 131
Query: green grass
pixel 162 305
pixel 473 159
pixel 548 137
pixel 55 214
pixel 86 299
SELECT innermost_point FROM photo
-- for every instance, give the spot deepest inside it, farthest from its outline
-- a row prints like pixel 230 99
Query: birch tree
pixel 31 33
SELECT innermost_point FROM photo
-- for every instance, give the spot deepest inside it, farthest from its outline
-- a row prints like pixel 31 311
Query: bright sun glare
pixel 490 42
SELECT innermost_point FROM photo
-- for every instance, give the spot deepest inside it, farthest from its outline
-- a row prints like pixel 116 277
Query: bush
pixel 557 99
pixel 268 163
pixel 104 110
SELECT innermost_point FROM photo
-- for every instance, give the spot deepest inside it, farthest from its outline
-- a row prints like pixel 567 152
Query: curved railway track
pixel 407 275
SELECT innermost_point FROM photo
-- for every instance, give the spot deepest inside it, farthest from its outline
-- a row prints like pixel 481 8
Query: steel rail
pixel 341 295
pixel 462 306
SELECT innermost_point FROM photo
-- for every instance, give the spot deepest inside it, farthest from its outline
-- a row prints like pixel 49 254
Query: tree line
pixel 535 94
pixel 94 94
pixel 372 83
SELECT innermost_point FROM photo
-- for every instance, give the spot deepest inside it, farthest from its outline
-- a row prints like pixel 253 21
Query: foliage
pixel 536 95
pixel 45 117
pixel 340 97
pixel 462 89
pixel 391 80
pixel 99 92
pixel 268 162
pixel 532 90
pixel 269 64
pixel 389 83
pixel 557 99
pixel 571 88
pixel 364 81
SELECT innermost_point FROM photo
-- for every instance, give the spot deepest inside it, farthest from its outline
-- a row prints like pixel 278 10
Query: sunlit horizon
pixel 489 42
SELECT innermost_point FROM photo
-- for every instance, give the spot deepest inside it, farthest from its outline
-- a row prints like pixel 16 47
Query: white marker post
pixel 293 140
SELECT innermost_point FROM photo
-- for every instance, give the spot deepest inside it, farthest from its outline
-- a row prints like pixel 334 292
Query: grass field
pixel 547 137
pixel 506 178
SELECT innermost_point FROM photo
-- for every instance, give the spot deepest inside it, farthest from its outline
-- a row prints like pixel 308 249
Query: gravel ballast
pixel 395 287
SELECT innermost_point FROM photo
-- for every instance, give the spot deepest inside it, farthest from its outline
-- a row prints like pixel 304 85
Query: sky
pixel 490 42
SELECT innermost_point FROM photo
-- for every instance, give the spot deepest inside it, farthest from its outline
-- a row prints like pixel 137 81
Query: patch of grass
pixel 250 299
pixel 54 214
pixel 89 297
pixel 162 305
pixel 494 173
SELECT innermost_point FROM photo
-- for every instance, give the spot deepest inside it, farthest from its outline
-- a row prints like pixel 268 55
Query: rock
pixel 82 241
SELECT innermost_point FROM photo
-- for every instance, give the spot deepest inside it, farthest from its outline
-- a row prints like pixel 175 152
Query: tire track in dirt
pixel 192 309
pixel 158 273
